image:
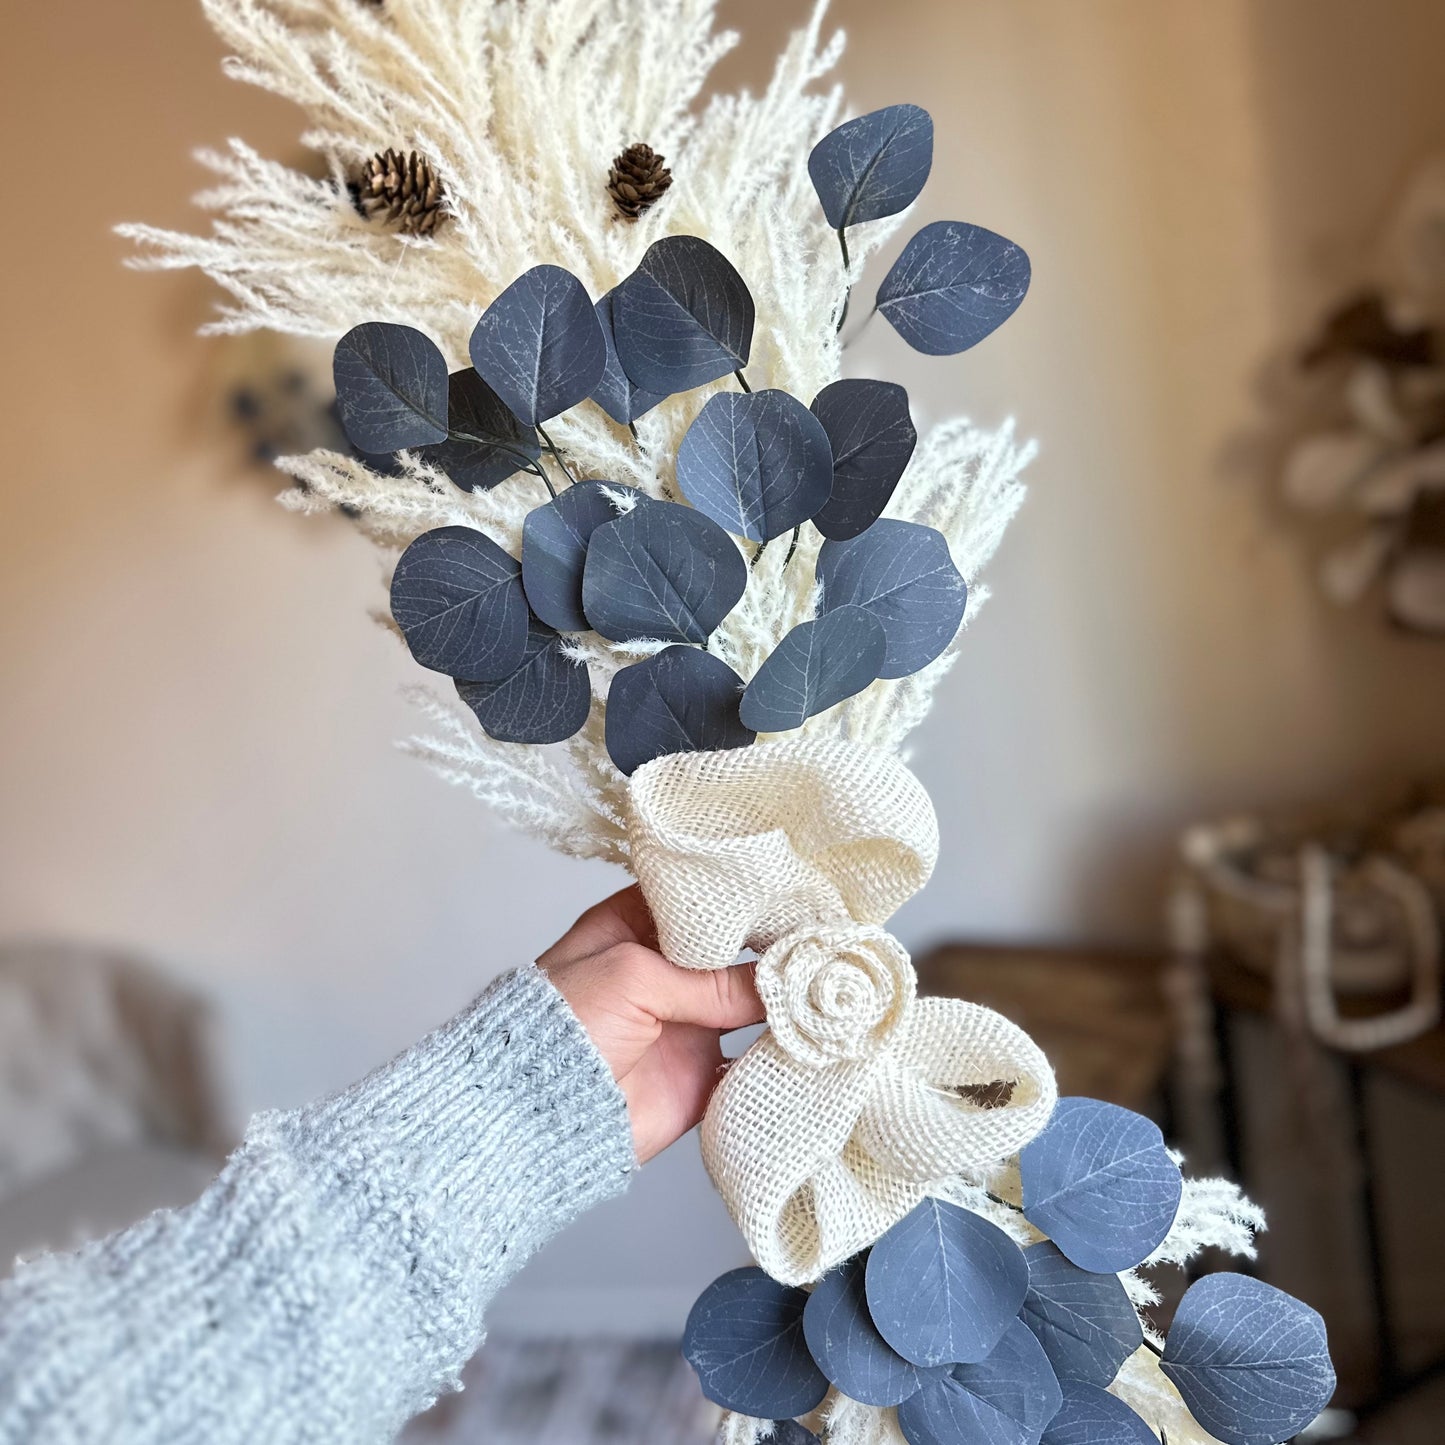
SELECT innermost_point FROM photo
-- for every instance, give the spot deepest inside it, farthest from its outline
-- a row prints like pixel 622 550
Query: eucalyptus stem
pixel 762 547
pixel 529 463
pixel 560 459
pixel 793 545
pixel 859 329
pixel 997 1200
pixel 742 380
pixel 848 289
pixel 632 427
pixel 546 480
pixel 1152 1347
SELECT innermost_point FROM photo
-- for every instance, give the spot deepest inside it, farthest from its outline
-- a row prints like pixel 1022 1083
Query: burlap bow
pixel 836 1121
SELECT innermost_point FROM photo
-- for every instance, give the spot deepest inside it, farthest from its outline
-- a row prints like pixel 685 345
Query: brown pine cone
pixel 403 190
pixel 638 180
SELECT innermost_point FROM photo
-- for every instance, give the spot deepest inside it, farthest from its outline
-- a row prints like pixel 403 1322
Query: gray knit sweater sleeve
pixel 331 1282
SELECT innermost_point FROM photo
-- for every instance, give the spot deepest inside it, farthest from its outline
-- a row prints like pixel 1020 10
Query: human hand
pixel 658 1026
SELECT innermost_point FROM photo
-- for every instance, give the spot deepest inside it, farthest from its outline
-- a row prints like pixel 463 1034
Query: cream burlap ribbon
pixel 836 1121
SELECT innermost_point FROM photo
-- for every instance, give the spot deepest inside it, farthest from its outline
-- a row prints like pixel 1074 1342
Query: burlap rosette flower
pixel 835 993
pixel 833 1125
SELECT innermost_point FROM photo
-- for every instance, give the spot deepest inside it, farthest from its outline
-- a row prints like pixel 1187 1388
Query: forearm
pixel 332 1282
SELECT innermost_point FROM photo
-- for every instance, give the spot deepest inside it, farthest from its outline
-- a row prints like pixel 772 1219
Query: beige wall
pixel 196 719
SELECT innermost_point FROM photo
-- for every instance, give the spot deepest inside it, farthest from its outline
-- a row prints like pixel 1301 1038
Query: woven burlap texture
pixel 833 1125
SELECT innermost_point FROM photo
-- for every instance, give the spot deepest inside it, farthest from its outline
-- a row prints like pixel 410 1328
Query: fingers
pixel 622 918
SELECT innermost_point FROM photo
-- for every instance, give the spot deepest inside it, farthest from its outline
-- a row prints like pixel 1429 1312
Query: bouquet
pixel 691 588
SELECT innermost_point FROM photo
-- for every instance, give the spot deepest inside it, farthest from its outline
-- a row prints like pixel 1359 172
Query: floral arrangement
pixel 692 588
pixel 1360 424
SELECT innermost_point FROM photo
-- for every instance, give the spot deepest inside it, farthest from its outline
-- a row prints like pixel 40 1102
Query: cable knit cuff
pixel 487 1137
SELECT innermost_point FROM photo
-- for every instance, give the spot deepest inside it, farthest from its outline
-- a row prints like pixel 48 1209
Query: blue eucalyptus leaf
pixel 873 166
pixel 539 345
pixel 545 700
pixel 944 1284
pixel 1086 1322
pixel 1100 1183
pixel 487 444
pixel 458 600
pixel 744 1337
pixel 1252 1363
pixel 847 1346
pixel 391 387
pixel 661 571
pixel 953 285
pixel 757 463
pixel 872 438
pixel 815 666
pixel 615 394
pixel 1090 1415
pixel 902 573
pixel 1007 1399
pixel 683 318
pixel 680 700
pixel 554 549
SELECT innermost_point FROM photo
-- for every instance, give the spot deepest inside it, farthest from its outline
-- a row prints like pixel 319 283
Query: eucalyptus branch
pixel 848 288
pixel 793 545
pixel 557 456
pixel 742 380
pixel 528 462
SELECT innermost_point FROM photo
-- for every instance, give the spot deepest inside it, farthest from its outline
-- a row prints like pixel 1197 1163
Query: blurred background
pixel 1185 767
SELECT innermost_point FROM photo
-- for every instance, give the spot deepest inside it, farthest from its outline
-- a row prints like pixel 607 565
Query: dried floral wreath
pixel 695 623
pixel 973 1339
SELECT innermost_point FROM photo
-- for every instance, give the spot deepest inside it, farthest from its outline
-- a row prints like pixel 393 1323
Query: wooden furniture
pixel 1100 1016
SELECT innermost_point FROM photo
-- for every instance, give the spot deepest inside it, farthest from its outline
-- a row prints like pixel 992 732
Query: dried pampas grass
pixel 520 109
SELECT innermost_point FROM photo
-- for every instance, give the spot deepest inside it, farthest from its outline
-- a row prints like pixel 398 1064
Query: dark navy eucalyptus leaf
pixel 744 1337
pixel 1085 1322
pixel 789 1432
pixel 902 573
pixel 944 1284
pixel 554 549
pixel 1251 1362
pixel 816 665
pixel 757 463
pixel 391 387
pixel 953 285
pixel 1100 1183
pixel 661 571
pixel 545 700
pixel 1007 1399
pixel 847 1346
pixel 680 700
pixel 683 318
pixel 487 443
pixel 458 600
pixel 872 438
pixel 873 166
pixel 1092 1416
pixel 539 345
pixel 615 394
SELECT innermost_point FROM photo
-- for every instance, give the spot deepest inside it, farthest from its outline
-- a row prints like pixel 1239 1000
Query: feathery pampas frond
pixel 520 109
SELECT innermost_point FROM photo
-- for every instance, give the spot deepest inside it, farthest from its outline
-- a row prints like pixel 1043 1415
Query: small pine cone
pixel 403 190
pixel 638 180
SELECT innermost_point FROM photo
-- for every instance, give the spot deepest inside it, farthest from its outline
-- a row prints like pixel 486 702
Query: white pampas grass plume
pixel 519 107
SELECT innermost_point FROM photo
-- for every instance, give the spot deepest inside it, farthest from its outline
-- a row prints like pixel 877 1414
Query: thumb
pixel 715 998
